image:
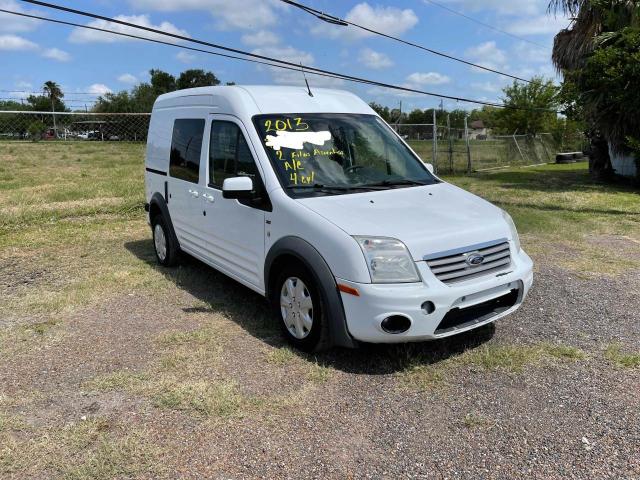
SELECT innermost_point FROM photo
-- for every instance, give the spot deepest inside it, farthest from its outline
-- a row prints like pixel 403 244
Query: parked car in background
pixel 317 204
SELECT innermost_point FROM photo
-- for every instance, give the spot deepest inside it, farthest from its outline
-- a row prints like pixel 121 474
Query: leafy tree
pixel 162 82
pixel 36 129
pixel 384 112
pixel 530 108
pixel 598 56
pixel 12 105
pixel 196 78
pixel 142 96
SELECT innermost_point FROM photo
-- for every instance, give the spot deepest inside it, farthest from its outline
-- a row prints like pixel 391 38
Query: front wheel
pixel 299 306
pixel 165 247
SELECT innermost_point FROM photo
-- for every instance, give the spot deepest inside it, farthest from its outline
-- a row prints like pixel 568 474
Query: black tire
pixel 170 258
pixel 318 337
pixel 563 158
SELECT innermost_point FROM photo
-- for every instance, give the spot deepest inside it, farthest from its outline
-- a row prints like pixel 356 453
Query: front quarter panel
pixel 292 219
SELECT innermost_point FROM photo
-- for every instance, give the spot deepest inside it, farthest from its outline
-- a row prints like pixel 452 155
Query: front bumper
pixel 364 313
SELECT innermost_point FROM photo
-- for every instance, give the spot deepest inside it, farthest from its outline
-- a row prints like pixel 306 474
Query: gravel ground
pixel 551 419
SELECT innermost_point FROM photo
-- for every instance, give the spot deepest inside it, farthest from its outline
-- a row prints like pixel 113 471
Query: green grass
pixel 489 357
pixel 280 356
pixel 73 233
pixel 614 354
pixel 91 449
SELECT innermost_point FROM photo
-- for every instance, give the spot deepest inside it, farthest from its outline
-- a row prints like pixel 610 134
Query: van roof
pixel 258 99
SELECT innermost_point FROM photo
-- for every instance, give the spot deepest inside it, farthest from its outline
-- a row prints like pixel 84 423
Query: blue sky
pixel 86 61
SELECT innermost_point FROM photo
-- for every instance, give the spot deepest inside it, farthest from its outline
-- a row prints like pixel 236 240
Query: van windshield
pixel 331 153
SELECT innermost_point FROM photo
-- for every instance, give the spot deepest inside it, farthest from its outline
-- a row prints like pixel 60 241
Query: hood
pixel 428 219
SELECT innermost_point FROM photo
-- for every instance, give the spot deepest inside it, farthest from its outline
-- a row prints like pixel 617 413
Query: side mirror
pixel 237 188
pixel 429 167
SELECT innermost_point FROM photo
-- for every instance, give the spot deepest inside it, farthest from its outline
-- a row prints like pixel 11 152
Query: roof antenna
pixel 305 80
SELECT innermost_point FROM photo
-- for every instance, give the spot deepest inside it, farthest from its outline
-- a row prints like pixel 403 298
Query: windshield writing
pixel 338 150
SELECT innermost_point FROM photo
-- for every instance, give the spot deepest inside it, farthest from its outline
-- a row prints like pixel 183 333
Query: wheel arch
pixel 158 206
pixel 296 249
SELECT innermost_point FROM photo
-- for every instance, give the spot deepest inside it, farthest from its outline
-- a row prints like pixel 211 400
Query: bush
pixel 36 130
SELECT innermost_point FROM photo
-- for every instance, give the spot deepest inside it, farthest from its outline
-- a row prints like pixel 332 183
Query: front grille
pixel 454 268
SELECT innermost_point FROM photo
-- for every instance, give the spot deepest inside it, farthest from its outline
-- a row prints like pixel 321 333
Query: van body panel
pixel 242 240
pixel 427 229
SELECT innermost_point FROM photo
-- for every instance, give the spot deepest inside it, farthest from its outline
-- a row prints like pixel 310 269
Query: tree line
pixel 529 109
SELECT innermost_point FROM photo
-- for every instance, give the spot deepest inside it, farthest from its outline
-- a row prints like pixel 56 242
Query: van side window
pixel 229 155
pixel 186 146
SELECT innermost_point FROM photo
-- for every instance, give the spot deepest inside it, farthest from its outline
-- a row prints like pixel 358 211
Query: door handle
pixel 208 198
pixel 194 193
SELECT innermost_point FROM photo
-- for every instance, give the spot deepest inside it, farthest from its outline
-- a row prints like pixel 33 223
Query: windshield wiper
pixel 337 188
pixel 393 183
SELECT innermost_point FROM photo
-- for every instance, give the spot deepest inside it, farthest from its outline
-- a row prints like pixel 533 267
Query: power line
pixel 286 66
pixel 280 63
pixel 41 92
pixel 340 21
pixel 480 22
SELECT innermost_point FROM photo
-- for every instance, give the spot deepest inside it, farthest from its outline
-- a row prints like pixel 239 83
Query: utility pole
pixel 466 138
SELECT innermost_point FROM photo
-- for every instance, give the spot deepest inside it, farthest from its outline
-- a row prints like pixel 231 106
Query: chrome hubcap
pixel 160 242
pixel 296 307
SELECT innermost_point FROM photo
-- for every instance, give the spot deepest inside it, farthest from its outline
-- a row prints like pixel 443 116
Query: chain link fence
pixel 460 150
pixel 450 150
pixel 72 126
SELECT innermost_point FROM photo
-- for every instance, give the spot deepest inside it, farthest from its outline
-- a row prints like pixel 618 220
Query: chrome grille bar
pixel 454 268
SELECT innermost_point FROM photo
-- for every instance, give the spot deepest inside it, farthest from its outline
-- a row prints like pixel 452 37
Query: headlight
pixel 388 260
pixel 514 231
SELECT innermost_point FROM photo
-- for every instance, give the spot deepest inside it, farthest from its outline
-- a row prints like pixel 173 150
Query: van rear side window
pixel 186 146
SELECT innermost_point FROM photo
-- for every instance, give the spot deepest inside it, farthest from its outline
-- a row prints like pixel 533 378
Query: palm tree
pixel 593 24
pixel 53 91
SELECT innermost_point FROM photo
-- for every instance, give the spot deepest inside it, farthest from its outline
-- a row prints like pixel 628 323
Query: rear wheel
pixel 298 304
pixel 165 247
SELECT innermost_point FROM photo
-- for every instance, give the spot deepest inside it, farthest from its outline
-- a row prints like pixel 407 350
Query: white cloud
pixel 250 15
pixel 524 51
pixel 287 54
pixel 128 79
pixel 14 42
pixel 488 87
pixel 294 77
pixel 376 60
pixel 185 57
pixel 261 38
pixel 14 23
pixel 56 54
pixel 538 25
pixel 82 35
pixel 429 78
pixel 389 20
pixel 520 7
pixel 488 55
pixel 98 89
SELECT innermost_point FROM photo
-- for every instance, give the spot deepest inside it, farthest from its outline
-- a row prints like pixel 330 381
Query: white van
pixel 317 204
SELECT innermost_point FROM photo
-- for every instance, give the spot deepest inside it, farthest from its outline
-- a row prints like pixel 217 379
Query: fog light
pixel 428 307
pixel 396 324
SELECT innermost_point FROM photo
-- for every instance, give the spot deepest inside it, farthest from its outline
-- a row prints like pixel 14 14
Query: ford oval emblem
pixel 475 259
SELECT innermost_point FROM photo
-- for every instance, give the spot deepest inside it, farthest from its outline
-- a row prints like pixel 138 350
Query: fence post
pixel 466 139
pixel 544 147
pixel 450 144
pixel 435 142
pixel 518 147
pixel 53 111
